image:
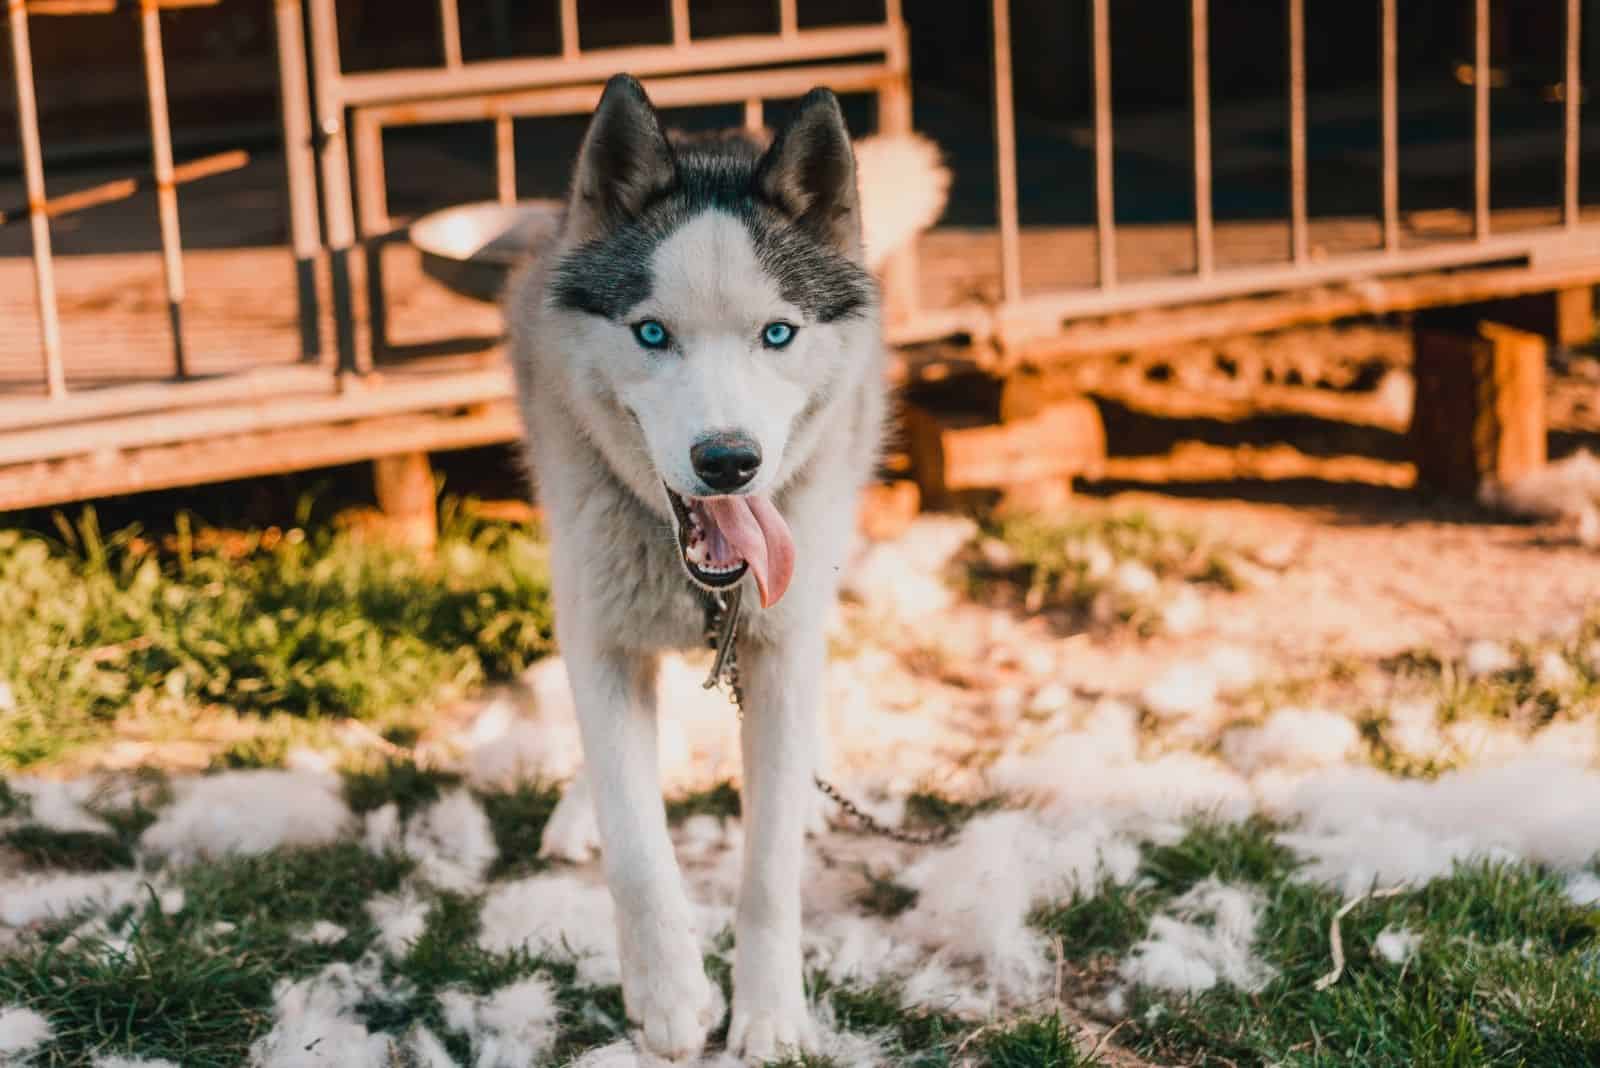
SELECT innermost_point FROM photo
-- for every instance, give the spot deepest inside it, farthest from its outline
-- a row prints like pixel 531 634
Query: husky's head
pixel 714 292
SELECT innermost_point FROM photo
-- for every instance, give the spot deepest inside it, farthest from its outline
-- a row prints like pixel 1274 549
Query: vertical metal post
pixel 374 227
pixel 1299 230
pixel 300 163
pixel 569 28
pixel 1105 223
pixel 789 20
pixel 1391 129
pixel 1205 257
pixel 754 114
pixel 1480 120
pixel 680 23
pixel 450 31
pixel 505 159
pixel 1573 98
pixel 334 161
pixel 44 275
pixel 1005 152
pixel 155 80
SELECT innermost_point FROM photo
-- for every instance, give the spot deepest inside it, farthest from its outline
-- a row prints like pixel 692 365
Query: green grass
pixel 1506 974
pixel 1070 564
pixel 315 623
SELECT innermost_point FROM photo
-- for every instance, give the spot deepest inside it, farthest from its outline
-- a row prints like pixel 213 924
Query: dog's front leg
pixel 663 981
pixel 782 686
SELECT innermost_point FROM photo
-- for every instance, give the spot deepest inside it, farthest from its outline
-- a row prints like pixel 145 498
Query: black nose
pixel 726 461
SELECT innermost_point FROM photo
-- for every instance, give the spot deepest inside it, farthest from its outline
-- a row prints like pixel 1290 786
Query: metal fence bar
pixel 788 18
pixel 44 275
pixel 1205 252
pixel 1391 128
pixel 1105 221
pixel 450 32
pixel 301 167
pixel 1480 120
pixel 569 29
pixel 1005 154
pixel 754 114
pixel 335 166
pixel 155 76
pixel 1573 94
pixel 680 23
pixel 1299 229
pixel 505 160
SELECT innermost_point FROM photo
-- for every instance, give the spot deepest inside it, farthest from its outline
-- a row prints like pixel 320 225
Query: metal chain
pixel 722 619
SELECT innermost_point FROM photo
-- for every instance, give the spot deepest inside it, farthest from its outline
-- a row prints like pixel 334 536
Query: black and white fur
pixel 714 238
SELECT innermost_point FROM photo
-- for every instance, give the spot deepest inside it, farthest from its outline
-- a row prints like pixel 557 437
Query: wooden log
pixel 1479 411
pixel 409 499
pixel 888 507
pixel 1562 316
pixel 955 453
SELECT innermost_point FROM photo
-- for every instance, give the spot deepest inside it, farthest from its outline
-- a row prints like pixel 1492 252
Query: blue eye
pixel 777 335
pixel 651 334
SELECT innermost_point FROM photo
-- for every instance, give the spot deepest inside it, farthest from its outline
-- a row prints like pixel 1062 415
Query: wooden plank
pixel 953 453
pixel 887 508
pixel 408 496
pixel 1561 316
pixel 251 454
pixel 1254 315
pixel 1479 411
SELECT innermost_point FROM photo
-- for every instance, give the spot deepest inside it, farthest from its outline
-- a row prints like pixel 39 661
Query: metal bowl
pixel 472 248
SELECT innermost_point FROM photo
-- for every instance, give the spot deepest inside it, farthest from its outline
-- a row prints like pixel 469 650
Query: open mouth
pixel 722 539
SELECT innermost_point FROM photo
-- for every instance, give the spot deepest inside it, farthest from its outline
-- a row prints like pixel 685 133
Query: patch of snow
pixel 1555 672
pixel 1185 613
pixel 22 1032
pixel 1206 937
pixel 555 915
pixel 131 1062
pixel 248 813
pixel 1133 579
pixel 511 1028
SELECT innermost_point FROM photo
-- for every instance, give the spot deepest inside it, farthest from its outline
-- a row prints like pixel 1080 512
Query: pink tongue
pixel 758 533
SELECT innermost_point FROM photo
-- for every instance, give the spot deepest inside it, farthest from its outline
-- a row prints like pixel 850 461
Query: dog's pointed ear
pixel 625 161
pixel 809 173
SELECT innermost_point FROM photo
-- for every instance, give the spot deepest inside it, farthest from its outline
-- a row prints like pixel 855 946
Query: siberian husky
pixel 700 369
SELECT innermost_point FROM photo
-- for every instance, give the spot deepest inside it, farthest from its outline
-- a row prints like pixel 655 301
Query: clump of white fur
pixel 22 1032
pixel 315 1023
pixel 1358 828
pixel 452 842
pixel 400 918
pixel 975 896
pixel 131 1062
pixel 904 186
pixel 1207 937
pixel 248 813
pixel 28 899
pixel 510 1028
pixel 558 915
pixel 1566 489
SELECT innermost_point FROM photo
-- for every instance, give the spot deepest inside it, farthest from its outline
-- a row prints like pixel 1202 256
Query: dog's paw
pixel 672 1005
pixel 572 833
pixel 761 1033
